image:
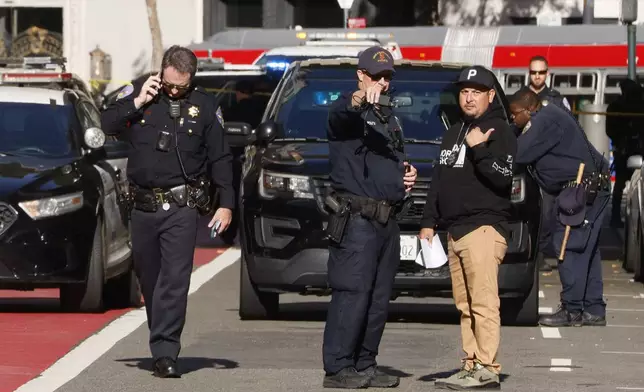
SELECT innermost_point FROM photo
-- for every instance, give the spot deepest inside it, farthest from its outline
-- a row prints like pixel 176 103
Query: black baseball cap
pixel 476 76
pixel 572 206
pixel 375 60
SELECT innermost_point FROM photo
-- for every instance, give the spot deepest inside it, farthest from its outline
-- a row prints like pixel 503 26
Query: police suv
pixel 285 175
pixel 61 221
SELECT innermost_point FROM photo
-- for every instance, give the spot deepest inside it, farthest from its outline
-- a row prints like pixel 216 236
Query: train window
pixel 588 80
pixel 613 80
pixel 514 80
pixel 564 81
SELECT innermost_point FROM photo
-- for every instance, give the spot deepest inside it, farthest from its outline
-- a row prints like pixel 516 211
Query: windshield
pixel 37 129
pixel 244 99
pixel 306 97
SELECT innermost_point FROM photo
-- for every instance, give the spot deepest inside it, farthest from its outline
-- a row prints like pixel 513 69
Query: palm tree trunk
pixel 155 30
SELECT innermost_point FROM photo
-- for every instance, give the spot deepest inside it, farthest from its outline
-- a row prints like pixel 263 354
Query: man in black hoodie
pixel 470 197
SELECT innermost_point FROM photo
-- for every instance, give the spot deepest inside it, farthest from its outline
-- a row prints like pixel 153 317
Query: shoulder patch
pixel 220 116
pixel 127 90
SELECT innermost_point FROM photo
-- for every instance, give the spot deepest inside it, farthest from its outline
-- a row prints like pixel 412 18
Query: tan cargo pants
pixel 474 265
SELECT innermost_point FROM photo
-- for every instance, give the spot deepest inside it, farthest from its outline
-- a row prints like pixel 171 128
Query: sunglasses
pixel 385 75
pixel 171 86
pixel 538 72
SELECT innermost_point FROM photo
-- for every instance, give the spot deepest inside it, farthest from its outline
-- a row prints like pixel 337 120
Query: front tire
pixel 523 311
pixel 253 303
pixel 88 296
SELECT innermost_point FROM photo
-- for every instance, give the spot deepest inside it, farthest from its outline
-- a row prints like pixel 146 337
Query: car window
pixel 37 129
pixel 88 115
pixel 245 99
pixel 304 103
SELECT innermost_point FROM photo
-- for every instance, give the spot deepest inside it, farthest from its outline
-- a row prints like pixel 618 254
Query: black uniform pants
pixel 163 244
pixel 582 285
pixel 545 234
pixel 361 272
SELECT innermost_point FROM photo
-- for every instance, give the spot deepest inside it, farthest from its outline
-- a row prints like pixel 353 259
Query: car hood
pixel 312 158
pixel 25 176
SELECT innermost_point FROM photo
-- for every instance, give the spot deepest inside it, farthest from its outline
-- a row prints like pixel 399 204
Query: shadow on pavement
pixel 434 376
pixel 185 364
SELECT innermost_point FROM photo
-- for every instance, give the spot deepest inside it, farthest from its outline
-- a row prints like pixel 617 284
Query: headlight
pixel 53 206
pixel 290 185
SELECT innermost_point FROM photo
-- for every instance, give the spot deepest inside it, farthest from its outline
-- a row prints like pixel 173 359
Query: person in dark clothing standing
pixel 370 179
pixel 174 135
pixel 470 197
pixel 554 144
pixel 539 73
pixel 625 133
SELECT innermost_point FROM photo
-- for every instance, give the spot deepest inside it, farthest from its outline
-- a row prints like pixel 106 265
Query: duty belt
pixel 379 210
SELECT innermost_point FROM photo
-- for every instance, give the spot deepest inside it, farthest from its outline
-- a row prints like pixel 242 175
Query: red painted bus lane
pixel 36 334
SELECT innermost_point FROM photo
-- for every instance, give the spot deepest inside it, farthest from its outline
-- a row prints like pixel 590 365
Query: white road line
pixel 624 310
pixel 630 388
pixel 625 326
pixel 560 365
pixel 623 352
pixel 83 355
pixel 541 294
pixel 545 310
pixel 638 296
pixel 550 333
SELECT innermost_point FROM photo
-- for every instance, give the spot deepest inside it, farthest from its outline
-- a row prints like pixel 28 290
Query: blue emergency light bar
pixel 277 65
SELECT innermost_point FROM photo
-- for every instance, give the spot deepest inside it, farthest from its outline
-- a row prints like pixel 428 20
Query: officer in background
pixel 174 135
pixel 554 144
pixel 625 133
pixel 470 198
pixel 539 73
pixel 369 179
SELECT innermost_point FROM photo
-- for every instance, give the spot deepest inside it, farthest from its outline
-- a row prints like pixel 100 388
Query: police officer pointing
pixel 554 144
pixel 175 136
pixel 368 185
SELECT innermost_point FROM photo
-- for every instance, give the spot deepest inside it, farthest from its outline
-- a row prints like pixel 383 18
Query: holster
pixel 144 200
pixel 592 184
pixel 338 219
pixel 202 196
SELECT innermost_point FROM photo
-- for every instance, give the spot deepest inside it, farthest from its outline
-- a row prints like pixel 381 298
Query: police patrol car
pixel 326 45
pixel 61 222
pixel 285 177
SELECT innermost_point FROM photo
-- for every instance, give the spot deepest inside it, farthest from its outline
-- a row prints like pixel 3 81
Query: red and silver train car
pixel 586 61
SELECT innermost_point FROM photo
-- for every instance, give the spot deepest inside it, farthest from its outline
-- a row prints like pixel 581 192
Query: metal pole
pixel 632 41
pixel 589 12
pixel 346 18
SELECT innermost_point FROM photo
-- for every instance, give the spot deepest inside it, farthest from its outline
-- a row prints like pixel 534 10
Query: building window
pixel 243 13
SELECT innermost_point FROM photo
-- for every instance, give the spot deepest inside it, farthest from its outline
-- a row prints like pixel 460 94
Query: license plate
pixel 408 247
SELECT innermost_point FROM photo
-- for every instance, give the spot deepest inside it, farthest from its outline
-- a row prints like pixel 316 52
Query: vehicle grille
pixel 413 214
pixel 8 215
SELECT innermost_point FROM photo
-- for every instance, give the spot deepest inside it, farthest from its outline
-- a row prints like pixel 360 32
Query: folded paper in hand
pixel 431 256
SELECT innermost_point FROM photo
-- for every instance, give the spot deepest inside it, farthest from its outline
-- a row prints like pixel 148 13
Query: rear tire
pixel 522 311
pixel 88 296
pixel 253 303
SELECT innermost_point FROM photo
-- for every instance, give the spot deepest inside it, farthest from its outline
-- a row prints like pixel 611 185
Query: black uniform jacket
pixel 200 135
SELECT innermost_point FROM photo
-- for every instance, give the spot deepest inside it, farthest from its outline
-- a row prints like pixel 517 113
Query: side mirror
pixel 94 138
pixel 402 101
pixel 266 132
pixel 237 133
pixel 634 162
pixel 116 149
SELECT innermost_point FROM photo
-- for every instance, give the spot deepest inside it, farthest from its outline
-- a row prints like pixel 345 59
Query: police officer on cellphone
pixel 176 138
pixel 370 179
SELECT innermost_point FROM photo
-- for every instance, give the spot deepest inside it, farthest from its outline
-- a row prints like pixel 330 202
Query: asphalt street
pixel 421 342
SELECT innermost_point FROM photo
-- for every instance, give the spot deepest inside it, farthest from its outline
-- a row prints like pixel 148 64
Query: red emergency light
pixel 52 77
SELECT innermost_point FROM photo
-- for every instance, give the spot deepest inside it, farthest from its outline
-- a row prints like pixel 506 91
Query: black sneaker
pixel 347 378
pixel 380 379
pixel 561 318
pixel 593 321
